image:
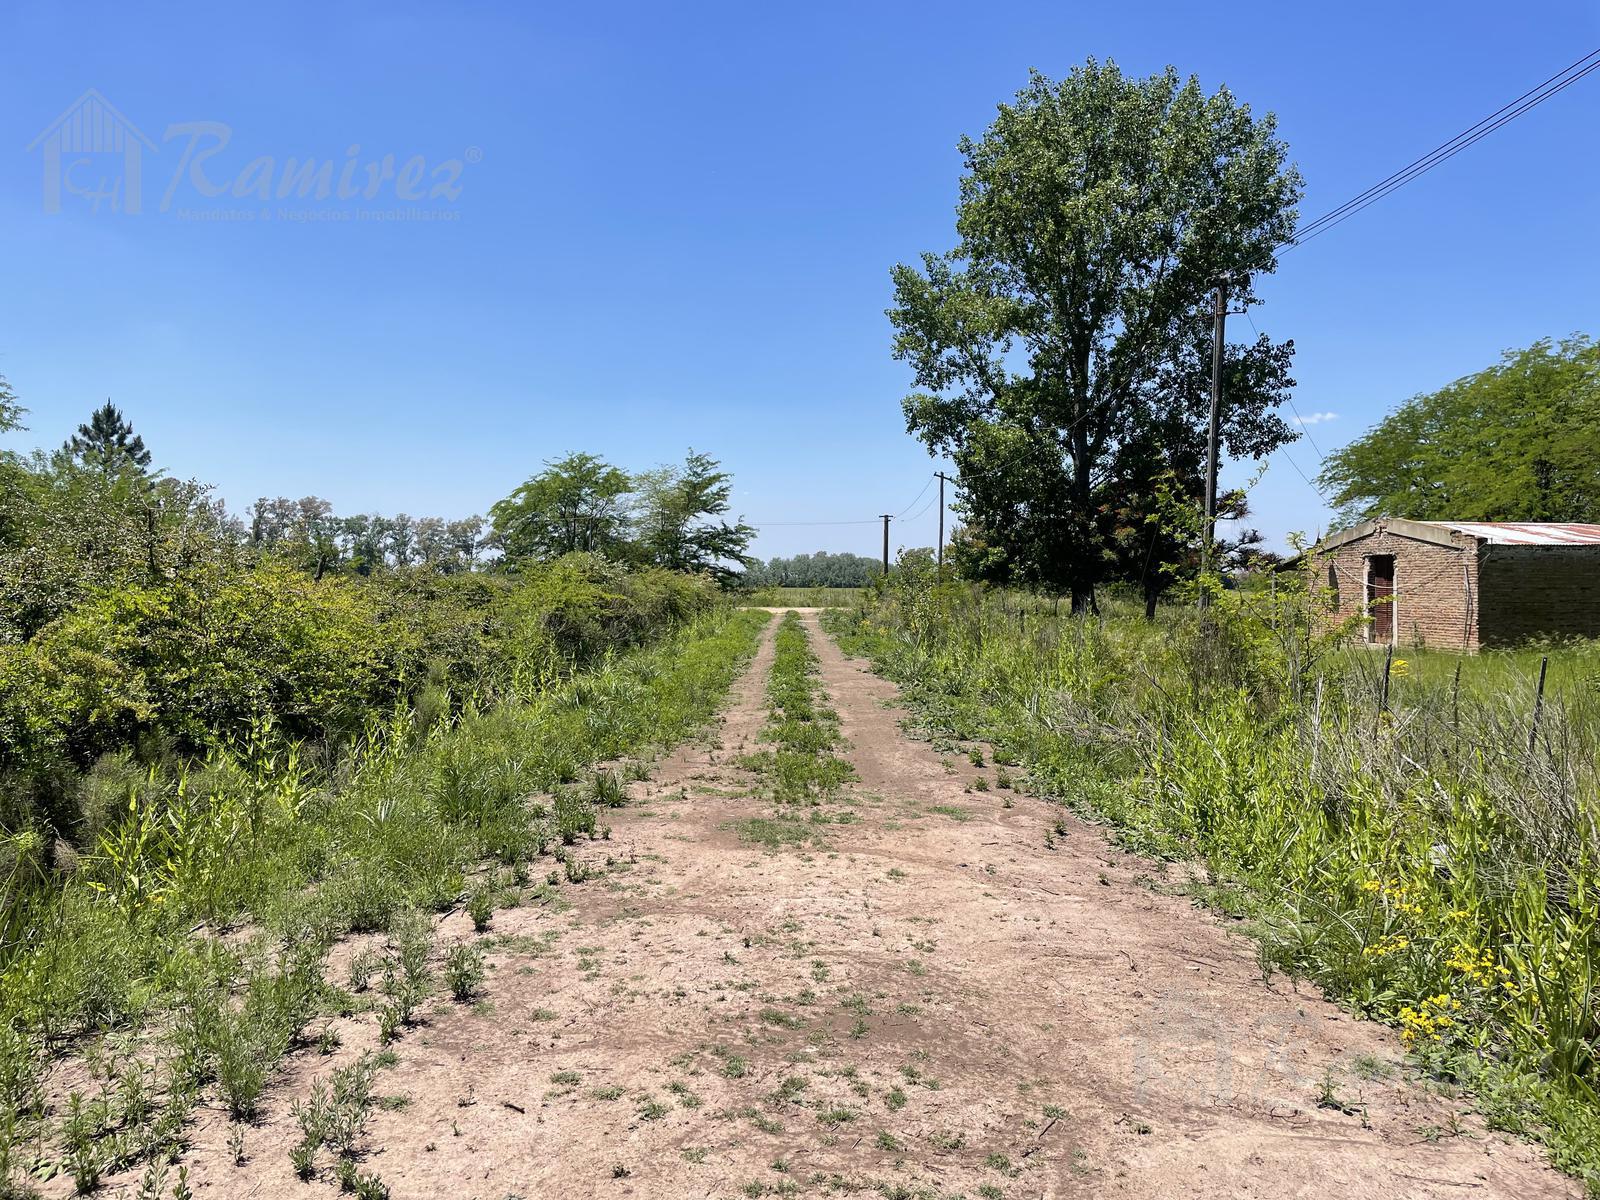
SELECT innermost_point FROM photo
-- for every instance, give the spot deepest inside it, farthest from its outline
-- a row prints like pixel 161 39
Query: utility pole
pixel 1218 325
pixel 942 478
pixel 886 519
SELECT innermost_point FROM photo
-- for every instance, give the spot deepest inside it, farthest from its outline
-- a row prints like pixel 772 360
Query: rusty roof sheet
pixel 1521 533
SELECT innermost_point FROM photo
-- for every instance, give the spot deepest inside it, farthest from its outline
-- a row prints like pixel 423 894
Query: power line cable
pixel 1306 228
pixel 1470 136
pixel 1460 142
pixel 1289 458
pixel 773 524
pixel 871 521
pixel 1306 429
pixel 918 496
pixel 932 500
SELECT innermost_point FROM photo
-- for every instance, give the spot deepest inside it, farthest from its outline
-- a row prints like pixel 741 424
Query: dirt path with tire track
pixel 927 1000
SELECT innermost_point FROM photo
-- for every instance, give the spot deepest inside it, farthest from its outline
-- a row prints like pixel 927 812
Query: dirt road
pixel 929 1002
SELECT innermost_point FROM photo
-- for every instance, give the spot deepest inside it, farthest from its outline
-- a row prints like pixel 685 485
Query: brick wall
pixel 1539 591
pixel 1436 587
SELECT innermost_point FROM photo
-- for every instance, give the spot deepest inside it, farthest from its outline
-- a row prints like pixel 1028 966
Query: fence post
pixel 1538 704
pixel 1383 696
pixel 1316 730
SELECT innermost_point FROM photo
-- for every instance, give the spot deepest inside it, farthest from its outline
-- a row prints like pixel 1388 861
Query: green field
pixel 812 597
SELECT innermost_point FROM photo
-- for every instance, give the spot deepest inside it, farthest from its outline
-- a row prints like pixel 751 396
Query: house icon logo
pixel 93 152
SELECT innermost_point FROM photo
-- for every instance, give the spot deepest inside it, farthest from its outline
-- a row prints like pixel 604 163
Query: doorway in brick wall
pixel 1380 599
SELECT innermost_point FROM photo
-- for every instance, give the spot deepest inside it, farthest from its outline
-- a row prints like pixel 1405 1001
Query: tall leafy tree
pixel 305 531
pixel 681 519
pixel 400 538
pixel 1514 442
pixel 107 442
pixel 1155 496
pixel 1096 215
pixel 447 547
pixel 361 542
pixel 575 503
pixel 466 537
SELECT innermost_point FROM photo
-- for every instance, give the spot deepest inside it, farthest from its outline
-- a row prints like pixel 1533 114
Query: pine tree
pixel 109 443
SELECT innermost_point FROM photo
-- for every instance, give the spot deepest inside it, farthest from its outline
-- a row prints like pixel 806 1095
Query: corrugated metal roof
pixel 1522 533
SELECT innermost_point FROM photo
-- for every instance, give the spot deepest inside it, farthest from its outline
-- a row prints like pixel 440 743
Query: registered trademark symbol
pixel 474 154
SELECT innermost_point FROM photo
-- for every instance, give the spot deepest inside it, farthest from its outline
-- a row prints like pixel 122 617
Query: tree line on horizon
pixel 822 568
pixel 670 516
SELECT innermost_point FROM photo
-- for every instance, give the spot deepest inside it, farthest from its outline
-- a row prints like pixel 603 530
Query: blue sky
pixel 674 228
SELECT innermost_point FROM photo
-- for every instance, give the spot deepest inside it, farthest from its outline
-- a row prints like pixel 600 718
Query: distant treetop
pixel 109 443
pixel 1514 442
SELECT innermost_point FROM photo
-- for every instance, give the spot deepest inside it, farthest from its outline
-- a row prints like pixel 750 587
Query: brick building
pixel 1464 585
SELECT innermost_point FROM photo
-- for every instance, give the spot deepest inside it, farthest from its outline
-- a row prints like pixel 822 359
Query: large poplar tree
pixel 1055 343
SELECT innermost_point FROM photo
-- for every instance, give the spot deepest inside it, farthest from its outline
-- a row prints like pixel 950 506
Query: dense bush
pixel 138 618
pixel 208 659
pixel 221 750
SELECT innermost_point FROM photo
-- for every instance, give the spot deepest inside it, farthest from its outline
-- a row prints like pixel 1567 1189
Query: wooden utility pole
pixel 942 478
pixel 1218 325
pixel 886 519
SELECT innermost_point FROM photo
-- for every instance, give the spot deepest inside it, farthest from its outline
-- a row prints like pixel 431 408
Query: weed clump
pixel 335 1118
pixel 463 971
pixel 480 907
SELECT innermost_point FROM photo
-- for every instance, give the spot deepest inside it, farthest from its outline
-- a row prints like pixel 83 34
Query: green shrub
pixel 480 907
pixel 608 791
pixel 574 816
pixel 405 979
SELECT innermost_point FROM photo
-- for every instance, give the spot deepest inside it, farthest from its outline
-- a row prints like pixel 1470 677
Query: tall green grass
pixel 1408 836
pixel 129 942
